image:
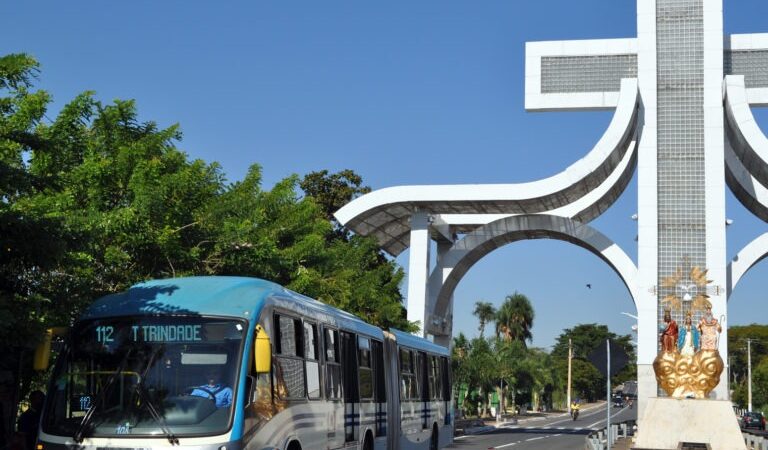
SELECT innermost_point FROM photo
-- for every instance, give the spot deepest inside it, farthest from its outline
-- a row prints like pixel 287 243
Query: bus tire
pixel 294 445
pixel 433 441
pixel 368 442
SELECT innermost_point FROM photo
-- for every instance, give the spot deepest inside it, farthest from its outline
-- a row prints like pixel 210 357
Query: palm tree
pixel 514 319
pixel 485 313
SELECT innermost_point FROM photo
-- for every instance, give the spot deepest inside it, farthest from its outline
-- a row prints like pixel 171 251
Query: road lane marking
pixel 603 420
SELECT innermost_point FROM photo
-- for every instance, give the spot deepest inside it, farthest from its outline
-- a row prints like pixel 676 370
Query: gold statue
pixel 688 374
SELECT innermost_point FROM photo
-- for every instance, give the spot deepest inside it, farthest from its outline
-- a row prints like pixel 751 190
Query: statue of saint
pixel 709 328
pixel 688 342
pixel 669 333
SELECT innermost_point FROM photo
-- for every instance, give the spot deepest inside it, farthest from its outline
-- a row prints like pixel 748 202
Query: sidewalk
pixel 478 426
pixel 535 416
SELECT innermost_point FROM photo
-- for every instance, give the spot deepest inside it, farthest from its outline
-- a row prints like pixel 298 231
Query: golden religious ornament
pixel 688 364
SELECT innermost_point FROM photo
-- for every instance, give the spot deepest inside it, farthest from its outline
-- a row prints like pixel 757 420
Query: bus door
pixel 351 393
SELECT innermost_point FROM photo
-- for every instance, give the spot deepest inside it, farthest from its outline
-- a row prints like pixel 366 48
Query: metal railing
pixel 598 440
pixel 754 441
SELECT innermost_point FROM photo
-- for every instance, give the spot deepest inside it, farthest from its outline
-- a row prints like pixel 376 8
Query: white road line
pixel 506 445
pixel 603 420
pixel 535 438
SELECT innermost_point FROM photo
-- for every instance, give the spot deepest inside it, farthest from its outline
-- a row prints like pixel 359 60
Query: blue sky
pixel 401 92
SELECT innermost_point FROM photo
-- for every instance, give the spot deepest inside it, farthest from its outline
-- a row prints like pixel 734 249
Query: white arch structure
pixel 457 261
pixel 682 118
pixel 746 158
pixel 494 215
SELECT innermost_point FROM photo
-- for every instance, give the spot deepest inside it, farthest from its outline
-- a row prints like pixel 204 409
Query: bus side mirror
pixel 262 351
pixel 43 352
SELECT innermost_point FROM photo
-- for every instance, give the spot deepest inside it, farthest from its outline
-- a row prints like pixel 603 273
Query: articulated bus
pixel 228 363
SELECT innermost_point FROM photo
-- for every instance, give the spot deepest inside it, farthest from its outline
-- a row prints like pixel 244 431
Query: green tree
pixel 31 241
pixel 96 200
pixel 485 313
pixel 332 191
pixel 759 388
pixel 370 277
pixel 737 348
pixel 514 318
pixel 587 337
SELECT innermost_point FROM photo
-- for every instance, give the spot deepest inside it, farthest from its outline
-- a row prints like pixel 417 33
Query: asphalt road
pixel 550 433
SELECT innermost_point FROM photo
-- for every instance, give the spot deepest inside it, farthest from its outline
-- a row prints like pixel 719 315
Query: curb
pixel 478 430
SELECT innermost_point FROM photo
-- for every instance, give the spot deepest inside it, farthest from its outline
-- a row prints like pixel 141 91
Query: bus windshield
pixel 146 376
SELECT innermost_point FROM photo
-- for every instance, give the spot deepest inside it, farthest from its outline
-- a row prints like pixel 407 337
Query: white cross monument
pixel 682 93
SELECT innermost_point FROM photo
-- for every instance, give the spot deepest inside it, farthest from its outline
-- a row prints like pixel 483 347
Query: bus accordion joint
pixel 262 351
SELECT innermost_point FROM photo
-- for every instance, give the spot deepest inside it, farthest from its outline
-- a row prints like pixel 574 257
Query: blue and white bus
pixel 228 363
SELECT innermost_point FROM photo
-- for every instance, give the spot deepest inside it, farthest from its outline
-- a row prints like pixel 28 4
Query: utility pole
pixel 749 375
pixel 608 393
pixel 570 356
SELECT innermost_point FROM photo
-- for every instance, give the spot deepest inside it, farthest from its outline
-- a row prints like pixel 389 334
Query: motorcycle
pixel 575 414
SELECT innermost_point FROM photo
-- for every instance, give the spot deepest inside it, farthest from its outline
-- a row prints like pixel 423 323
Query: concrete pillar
pixel 418 270
pixel 443 246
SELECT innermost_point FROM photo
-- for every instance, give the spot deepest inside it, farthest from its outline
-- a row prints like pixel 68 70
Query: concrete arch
pixel 746 150
pixel 457 261
pixel 385 213
pixel 747 258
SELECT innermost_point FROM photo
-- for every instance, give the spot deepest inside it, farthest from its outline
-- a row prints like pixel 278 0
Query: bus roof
pixel 240 297
pixel 418 343
pixel 217 296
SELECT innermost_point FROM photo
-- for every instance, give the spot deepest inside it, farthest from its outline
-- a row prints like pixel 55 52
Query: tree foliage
pixel 587 381
pixel 737 348
pixel 485 313
pixel 514 318
pixel 737 353
pixel 96 199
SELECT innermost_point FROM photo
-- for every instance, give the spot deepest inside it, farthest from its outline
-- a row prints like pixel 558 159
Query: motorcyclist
pixel 575 409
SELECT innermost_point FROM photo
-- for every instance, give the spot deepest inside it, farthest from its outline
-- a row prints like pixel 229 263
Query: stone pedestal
pixel 667 422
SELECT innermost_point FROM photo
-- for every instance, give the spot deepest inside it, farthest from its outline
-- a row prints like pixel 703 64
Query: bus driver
pixel 220 393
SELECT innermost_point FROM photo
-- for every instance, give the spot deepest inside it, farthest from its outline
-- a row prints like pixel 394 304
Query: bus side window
pixel 365 374
pixel 289 367
pixel 312 363
pixel 349 364
pixel 409 389
pixel 434 378
pixel 421 376
pixel 380 387
pixel 332 365
pixel 446 378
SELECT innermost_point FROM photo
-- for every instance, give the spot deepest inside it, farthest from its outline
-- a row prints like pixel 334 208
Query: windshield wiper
pixel 144 395
pixel 79 434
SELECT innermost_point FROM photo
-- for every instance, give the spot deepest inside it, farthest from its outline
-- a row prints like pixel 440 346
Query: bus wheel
pixel 294 446
pixel 368 444
pixel 433 440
